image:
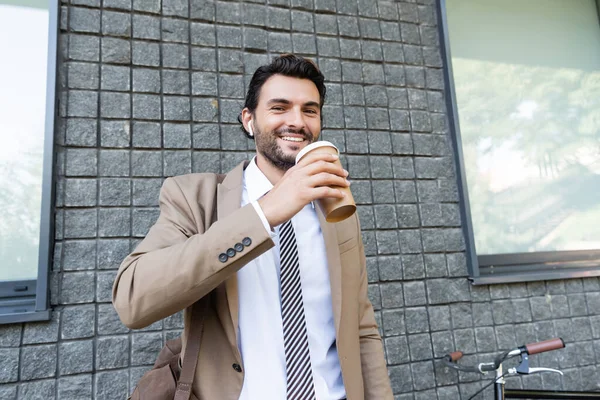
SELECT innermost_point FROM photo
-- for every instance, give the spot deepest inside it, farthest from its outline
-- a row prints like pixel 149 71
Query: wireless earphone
pixel 250 128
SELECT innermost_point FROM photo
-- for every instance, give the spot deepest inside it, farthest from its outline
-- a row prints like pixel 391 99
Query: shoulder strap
pixel 192 349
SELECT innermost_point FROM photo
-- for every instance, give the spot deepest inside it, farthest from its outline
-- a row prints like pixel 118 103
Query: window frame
pixel 28 300
pixel 503 268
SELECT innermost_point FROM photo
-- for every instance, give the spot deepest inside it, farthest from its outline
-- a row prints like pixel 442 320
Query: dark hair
pixel 287 65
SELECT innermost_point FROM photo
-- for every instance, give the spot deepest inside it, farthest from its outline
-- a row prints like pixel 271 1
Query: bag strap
pixel 192 350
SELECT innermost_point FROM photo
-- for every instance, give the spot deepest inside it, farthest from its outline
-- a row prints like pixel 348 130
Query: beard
pixel 266 144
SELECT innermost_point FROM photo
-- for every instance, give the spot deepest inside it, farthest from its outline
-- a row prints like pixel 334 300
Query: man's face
pixel 287 118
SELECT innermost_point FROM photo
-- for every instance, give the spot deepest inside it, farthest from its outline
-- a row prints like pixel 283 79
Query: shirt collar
pixel 255 182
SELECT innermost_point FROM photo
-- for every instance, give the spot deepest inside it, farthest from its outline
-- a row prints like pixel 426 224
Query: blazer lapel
pixel 335 268
pixel 229 198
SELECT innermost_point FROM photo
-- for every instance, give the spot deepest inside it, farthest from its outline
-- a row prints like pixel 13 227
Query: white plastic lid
pixel 310 147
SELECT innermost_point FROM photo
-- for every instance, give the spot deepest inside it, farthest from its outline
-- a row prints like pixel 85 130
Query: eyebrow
pixel 285 101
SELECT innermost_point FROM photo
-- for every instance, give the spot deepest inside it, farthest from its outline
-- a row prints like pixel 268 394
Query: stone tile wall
pixel 151 89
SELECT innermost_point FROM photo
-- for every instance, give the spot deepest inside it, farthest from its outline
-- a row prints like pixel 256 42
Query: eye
pixel 277 108
pixel 311 111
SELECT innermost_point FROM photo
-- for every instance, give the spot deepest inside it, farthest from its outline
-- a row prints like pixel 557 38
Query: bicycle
pixel 500 393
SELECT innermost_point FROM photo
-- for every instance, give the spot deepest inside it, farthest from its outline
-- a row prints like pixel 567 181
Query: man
pixel 290 317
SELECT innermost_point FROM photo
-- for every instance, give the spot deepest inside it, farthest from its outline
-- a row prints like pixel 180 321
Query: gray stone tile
pixel 175 30
pixel 423 375
pixel 392 295
pixel 80 223
pixel 80 192
pixel 38 362
pixel 82 104
pixel 114 222
pixel 116 51
pixel 81 132
pixel 115 134
pixel 178 8
pixel 145 347
pixel 175 56
pixel 417 320
pixel 145 191
pixel 44 389
pixel 146 80
pixel 152 6
pixel 84 20
pixel 112 352
pixel 143 219
pixel 84 48
pixel 10 335
pixel 111 385
pixel 115 105
pixel 78 321
pixel 82 75
pixel 383 191
pixel 75 387
pixel 114 163
pixel 146 27
pixel 108 321
pixel 393 322
pixel 114 192
pixel 175 82
pixel 8 392
pixel 396 349
pixel 390 268
pixel 77 287
pixel 75 357
pixel 116 24
pixel 42 332
pixel 10 365
pixel 420 347
pixel 104 284
pixel 400 378
pixel 176 108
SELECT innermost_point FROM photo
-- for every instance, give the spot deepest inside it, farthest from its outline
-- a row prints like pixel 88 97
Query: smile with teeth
pixel 292 139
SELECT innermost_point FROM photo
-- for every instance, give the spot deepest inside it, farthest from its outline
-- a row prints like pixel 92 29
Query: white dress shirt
pixel 260 326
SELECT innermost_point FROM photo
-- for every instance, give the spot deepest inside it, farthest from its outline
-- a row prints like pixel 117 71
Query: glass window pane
pixel 24 47
pixel 527 81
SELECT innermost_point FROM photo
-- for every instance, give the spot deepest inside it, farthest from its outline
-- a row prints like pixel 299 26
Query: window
pixel 524 80
pixel 28 39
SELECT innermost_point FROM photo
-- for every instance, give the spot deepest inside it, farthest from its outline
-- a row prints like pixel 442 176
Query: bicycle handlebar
pixel 531 348
pixel 546 345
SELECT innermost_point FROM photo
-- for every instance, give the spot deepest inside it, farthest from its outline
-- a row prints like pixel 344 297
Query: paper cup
pixel 334 209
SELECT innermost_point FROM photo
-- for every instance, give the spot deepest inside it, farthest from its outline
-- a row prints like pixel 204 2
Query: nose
pixel 296 119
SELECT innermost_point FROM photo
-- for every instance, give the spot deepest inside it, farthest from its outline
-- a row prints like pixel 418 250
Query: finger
pixel 311 158
pixel 324 166
pixel 327 179
pixel 326 191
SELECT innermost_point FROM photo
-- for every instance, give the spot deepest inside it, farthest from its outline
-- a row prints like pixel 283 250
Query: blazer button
pixel 238 247
pixel 237 367
pixel 246 241
pixel 231 252
pixel 223 257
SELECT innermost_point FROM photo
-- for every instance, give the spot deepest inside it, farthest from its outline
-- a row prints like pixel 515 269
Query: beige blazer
pixel 178 263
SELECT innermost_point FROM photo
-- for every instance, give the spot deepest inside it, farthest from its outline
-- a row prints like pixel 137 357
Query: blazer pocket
pixel 347 245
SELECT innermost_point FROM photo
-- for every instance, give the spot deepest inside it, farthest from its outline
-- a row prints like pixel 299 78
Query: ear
pixel 247 120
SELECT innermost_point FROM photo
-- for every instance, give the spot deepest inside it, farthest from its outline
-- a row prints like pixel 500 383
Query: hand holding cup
pixel 336 209
pixel 317 176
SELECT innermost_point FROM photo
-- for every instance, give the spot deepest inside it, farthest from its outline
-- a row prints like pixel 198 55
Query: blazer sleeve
pixel 374 370
pixel 178 261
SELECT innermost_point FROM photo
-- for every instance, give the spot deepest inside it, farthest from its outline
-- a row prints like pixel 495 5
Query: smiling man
pixel 289 316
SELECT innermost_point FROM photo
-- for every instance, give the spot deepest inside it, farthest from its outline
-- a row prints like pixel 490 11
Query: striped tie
pixel 295 339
